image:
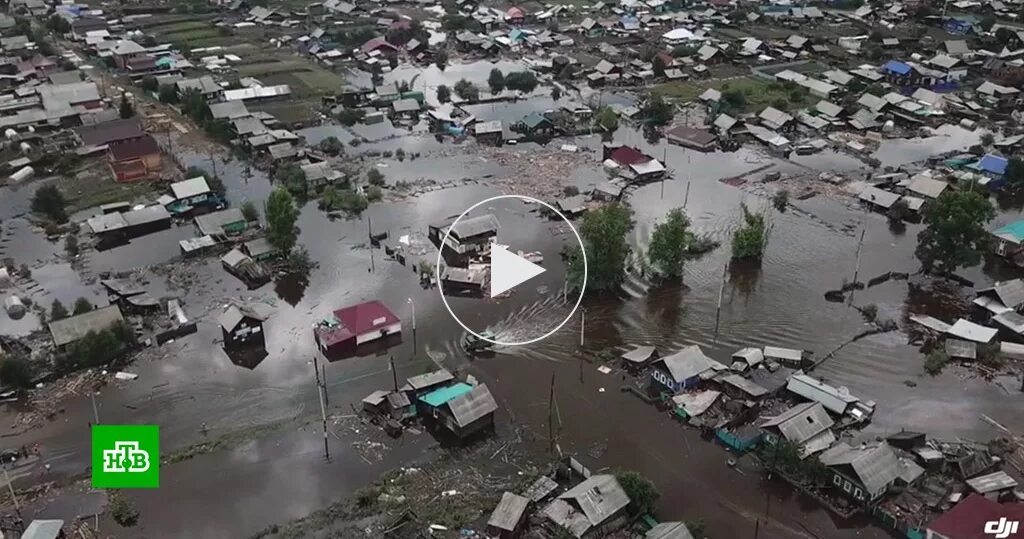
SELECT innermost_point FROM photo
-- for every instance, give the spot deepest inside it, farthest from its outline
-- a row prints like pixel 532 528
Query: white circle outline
pixel 444 240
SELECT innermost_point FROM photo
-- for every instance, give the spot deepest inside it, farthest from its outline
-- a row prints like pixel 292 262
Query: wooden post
pixel 551 415
pixel 721 291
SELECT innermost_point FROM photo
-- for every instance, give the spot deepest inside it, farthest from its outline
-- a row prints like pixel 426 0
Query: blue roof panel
pixel 440 396
pixel 897 67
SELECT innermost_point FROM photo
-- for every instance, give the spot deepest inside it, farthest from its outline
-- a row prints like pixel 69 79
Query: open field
pixel 759 92
pixel 305 79
pixel 294 110
pixel 188 36
pixel 181 26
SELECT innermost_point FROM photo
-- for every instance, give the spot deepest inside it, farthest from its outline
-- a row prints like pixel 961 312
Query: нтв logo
pixel 125 456
pixel 1001 528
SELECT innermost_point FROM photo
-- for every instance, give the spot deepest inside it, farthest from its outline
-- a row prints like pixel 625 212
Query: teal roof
pixel 438 397
pixel 1015 229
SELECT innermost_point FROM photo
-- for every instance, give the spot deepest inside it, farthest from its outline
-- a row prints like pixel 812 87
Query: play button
pixel 509 271
pixel 488 254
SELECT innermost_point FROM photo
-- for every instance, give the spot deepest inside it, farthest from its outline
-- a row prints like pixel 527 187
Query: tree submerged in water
pixel 751 238
pixel 604 235
pixel 670 243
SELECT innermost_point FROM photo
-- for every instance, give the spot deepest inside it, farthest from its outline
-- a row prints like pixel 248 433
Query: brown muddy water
pixel 191 383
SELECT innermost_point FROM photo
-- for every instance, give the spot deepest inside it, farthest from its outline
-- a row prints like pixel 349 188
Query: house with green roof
pixel 1009 240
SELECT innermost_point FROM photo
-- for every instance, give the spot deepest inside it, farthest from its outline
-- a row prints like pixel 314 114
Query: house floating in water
pixel 350 327
pixel 468 238
pixel 460 409
pixel 242 325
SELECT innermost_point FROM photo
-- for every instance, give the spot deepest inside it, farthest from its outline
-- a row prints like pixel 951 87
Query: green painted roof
pixel 1015 229
pixel 438 397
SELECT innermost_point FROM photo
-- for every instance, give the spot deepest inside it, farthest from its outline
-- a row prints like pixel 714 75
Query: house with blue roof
pixel 1008 240
pixel 993 167
pixel 901 73
pixel 460 409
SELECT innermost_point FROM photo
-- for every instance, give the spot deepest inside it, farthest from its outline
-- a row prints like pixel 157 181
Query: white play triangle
pixel 509 270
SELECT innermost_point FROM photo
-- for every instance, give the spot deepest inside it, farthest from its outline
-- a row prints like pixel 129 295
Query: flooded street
pixel 188 384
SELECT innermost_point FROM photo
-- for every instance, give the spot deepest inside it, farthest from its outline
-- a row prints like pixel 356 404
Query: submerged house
pixel 683 369
pixel 241 326
pixel 1009 239
pixel 507 519
pixel 135 160
pixel 461 409
pixel 593 508
pixel 865 473
pixel 190 194
pixel 807 425
pixel 220 224
pixel 468 237
pixel 71 329
pixel 349 327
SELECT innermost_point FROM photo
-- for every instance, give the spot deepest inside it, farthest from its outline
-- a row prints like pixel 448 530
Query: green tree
pixel 935 361
pixel 1015 173
pixel 607 119
pixel 956 235
pixel 467 90
pixel 16 372
pixel 441 59
pixel 658 66
pixel 350 117
pixel 299 260
pixel 58 311
pixel 250 212
pixel 603 232
pixel 987 138
pixel 556 93
pixel 444 94
pixel 734 101
pixel 58 24
pixel 331 146
pixel 375 177
pixel 50 202
pixel 669 242
pixel 898 212
pixel 657 110
pixel 374 193
pixel 640 490
pixel 292 177
pixel 282 215
pixel 126 109
pixel 168 94
pixel 751 238
pixel 522 81
pixel 150 84
pixel 496 81
pixel 71 245
pixel 82 305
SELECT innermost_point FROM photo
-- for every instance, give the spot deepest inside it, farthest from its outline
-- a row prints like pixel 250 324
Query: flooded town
pixel 634 269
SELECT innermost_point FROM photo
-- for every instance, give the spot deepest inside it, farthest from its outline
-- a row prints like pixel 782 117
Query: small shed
pixel 241 325
pixel 507 519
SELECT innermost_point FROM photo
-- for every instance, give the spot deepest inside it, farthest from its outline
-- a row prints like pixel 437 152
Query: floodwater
pixel 190 384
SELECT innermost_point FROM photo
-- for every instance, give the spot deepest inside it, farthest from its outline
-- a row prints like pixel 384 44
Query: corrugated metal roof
pixel 639 354
pixel 669 530
pixel 686 363
pixel 43 529
pixel 467 228
pixel 75 327
pixel 992 482
pixel 509 512
pixel 473 405
pixel 876 465
pixel 832 398
pixel 431 378
pixel 801 422
pixel 598 497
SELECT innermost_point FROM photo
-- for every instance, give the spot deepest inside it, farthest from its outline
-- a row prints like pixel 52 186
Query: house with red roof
pixel 380 46
pixel 515 15
pixel 350 327
pixel 632 164
pixel 136 159
pixel 968 519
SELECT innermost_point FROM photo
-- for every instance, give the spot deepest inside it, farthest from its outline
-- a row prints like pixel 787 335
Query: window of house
pixel 858 493
pixel 847 487
pixel 837 481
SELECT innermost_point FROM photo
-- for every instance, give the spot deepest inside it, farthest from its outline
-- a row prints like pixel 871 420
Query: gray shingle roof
pixel 469 407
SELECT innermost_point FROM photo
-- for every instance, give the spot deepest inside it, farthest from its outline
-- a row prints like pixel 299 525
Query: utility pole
pixel 369 230
pixel 95 411
pixel 414 347
pixel 10 487
pixel 686 197
pixel 551 415
pixel 213 163
pixel 323 406
pixel 721 291
pixel 394 373
pixel 856 266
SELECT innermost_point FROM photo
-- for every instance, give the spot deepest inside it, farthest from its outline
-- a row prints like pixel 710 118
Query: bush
pixel 250 212
pixel 467 90
pixel 375 177
pixel 350 117
pixel 82 305
pixel 570 190
pixel 123 510
pixel 331 146
pixel 936 361
pixel 444 94
pixel 344 200
pixel 150 84
pixel 71 245
pixel 58 311
pixel 374 193
pixel 870 312
pixel 16 372
pixel 641 492
pixel 780 200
